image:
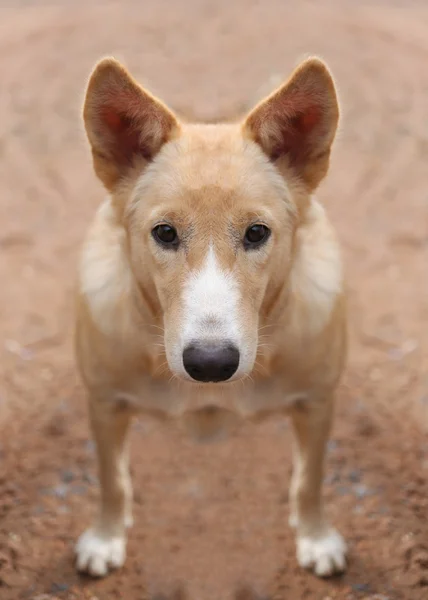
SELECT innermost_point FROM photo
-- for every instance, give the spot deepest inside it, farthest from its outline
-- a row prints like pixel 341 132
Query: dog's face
pixel 211 211
pixel 210 224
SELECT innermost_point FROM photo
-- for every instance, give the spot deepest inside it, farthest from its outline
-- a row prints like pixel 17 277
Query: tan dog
pixel 211 287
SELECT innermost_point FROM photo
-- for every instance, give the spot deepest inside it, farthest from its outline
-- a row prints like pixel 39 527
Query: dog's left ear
pixel 295 126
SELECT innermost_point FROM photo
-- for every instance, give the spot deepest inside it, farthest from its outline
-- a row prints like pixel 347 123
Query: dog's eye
pixel 165 235
pixel 256 235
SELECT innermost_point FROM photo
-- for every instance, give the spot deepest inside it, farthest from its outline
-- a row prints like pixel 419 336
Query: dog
pixel 211 288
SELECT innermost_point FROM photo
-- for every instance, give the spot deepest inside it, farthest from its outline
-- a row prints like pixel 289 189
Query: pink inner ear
pixel 296 129
pixel 125 143
pixel 112 119
pixel 309 119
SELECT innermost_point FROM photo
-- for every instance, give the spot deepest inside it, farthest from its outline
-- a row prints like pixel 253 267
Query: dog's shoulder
pixel 104 277
pixel 317 278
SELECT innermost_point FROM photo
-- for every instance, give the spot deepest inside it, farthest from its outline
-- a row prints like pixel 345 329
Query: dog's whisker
pixel 263 327
pixel 157 327
pixel 162 368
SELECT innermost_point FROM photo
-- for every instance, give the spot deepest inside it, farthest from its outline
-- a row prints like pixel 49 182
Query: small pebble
pixel 60 491
pixel 362 491
pixel 79 490
pixel 89 478
pixel 67 476
pixel 332 478
pixel 343 490
pixel 59 587
pixel 355 476
pixel 90 446
pixel 361 587
pixel 332 445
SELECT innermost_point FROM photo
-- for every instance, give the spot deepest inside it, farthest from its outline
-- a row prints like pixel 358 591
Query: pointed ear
pixel 295 126
pixel 123 122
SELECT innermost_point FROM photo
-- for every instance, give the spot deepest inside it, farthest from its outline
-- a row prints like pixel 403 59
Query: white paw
pixel 96 554
pixel 325 553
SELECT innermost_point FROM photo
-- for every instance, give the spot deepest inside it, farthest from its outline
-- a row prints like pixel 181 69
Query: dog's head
pixel 211 211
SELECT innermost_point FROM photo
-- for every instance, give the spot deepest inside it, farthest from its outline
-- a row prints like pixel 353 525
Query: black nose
pixel 211 362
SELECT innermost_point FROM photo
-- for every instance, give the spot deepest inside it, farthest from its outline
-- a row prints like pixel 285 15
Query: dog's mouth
pixel 210 384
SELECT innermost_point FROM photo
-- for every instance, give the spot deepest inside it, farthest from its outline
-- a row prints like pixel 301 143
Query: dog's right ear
pixel 125 125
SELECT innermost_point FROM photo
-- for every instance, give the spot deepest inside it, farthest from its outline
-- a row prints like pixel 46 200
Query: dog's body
pixel 211 287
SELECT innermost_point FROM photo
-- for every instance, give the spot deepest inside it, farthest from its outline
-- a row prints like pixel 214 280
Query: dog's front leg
pixel 104 545
pixel 319 546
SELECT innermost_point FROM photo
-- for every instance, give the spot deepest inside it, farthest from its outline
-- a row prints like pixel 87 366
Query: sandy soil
pixel 212 518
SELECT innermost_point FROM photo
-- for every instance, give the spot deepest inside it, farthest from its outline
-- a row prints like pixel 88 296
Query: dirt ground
pixel 213 518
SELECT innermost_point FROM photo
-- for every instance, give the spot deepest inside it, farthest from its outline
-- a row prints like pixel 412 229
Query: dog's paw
pixel 325 553
pixel 97 553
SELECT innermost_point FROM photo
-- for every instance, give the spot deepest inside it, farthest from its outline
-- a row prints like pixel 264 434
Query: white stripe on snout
pixel 211 304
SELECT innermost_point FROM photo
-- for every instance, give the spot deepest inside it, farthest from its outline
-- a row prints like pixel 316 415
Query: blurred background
pixel 214 518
